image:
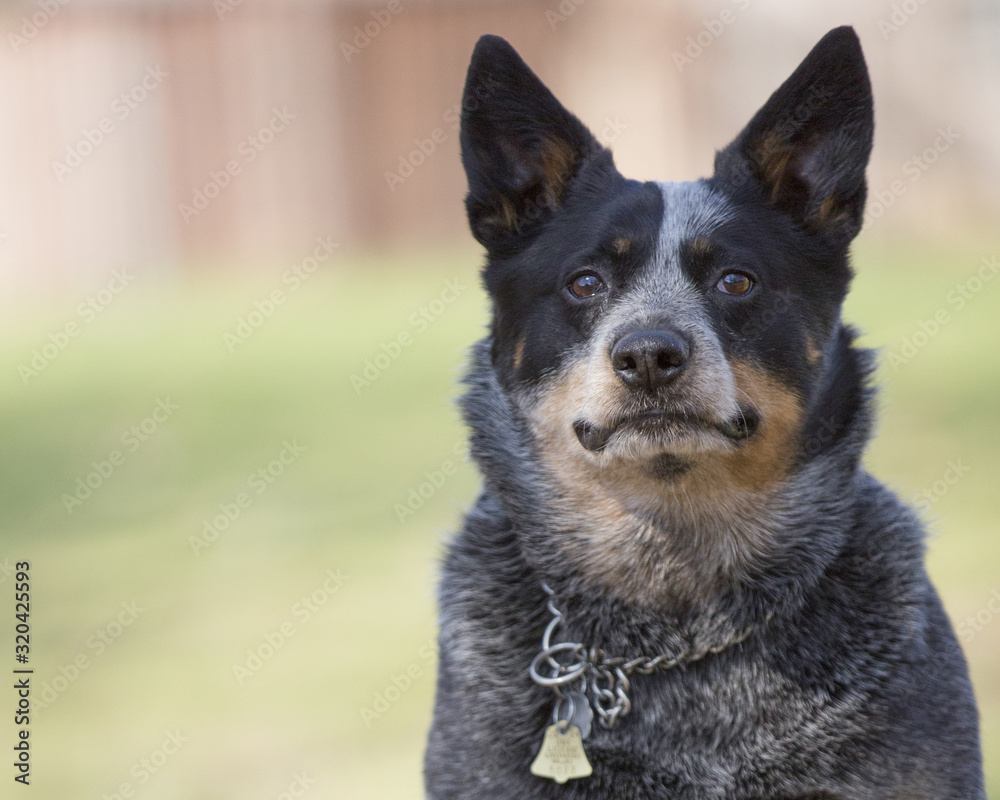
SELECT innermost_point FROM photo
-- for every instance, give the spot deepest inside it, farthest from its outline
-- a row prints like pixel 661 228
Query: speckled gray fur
pixel 854 689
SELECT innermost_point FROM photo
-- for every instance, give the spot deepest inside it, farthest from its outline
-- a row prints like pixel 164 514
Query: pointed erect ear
pixel 521 149
pixel 808 147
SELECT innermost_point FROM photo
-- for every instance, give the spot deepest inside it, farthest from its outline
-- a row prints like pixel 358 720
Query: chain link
pixel 606 679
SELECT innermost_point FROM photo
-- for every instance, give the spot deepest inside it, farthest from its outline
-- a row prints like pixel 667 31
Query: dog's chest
pixel 690 731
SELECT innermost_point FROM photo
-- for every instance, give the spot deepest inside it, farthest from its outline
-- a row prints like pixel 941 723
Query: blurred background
pixel 236 291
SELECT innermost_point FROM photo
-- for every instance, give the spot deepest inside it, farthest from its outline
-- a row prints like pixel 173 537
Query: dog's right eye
pixel 585 285
pixel 735 283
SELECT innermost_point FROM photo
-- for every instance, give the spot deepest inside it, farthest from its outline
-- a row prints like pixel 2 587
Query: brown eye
pixel 586 285
pixel 734 283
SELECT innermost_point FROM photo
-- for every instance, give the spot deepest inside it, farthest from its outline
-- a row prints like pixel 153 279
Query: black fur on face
pixel 580 258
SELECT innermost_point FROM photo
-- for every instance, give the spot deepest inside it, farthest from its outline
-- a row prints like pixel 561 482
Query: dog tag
pixel 562 757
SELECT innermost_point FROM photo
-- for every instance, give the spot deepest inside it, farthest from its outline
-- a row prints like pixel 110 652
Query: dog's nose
pixel 649 359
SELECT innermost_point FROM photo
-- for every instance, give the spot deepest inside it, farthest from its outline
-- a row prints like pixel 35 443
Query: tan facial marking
pixel 580 391
pixel 519 352
pixel 701 246
pixel 621 246
pixel 767 457
pixel 664 542
pixel 813 353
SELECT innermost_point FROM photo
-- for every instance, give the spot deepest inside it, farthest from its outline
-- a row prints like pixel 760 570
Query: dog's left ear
pixel 808 147
pixel 520 147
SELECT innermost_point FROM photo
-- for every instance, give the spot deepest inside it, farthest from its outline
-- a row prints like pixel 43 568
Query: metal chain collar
pixel 604 679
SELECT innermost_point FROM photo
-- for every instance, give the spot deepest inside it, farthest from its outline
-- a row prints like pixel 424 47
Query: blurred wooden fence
pixel 203 133
pixel 166 133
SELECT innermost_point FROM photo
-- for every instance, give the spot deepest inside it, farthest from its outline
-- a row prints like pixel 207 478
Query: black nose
pixel 649 359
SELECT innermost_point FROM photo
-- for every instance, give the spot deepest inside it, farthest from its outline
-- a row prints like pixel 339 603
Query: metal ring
pixel 547 641
pixel 549 630
pixel 572 672
pixel 559 704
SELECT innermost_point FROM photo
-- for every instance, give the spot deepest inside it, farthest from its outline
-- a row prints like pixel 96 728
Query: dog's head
pixel 667 340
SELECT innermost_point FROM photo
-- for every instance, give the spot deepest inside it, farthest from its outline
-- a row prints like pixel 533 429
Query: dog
pixel 679 581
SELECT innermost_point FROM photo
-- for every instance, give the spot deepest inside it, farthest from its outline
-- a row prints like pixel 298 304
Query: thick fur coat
pixel 675 498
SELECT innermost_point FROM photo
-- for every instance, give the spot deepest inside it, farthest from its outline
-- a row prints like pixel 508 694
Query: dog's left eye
pixel 586 285
pixel 735 283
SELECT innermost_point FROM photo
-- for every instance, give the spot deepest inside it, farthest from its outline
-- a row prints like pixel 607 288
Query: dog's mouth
pixel 671 424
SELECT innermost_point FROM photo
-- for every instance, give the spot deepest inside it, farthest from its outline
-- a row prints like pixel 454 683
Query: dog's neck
pixel 717 558
pixel 673 544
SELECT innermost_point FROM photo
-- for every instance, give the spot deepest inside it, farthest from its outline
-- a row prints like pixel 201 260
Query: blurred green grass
pixel 336 507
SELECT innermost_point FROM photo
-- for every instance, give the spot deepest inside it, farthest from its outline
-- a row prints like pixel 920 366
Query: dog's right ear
pixel 521 149
pixel 808 147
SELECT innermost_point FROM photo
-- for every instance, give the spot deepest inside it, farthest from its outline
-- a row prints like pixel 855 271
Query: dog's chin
pixel 655 433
